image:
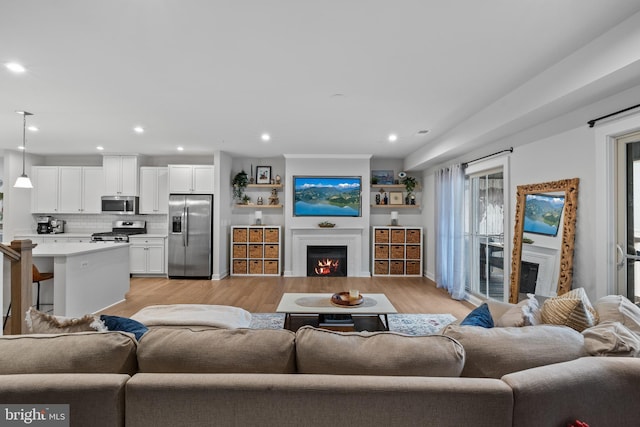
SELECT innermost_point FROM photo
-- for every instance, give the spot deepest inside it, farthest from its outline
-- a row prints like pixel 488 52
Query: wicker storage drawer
pixel 382 236
pixel 255 234
pixel 413 252
pixel 255 266
pixel 381 267
pixel 255 251
pixel 239 266
pixel 397 236
pixel 396 267
pixel 397 252
pixel 271 267
pixel 271 235
pixel 239 234
pixel 239 251
pixel 413 235
pixel 382 251
pixel 271 251
pixel 412 267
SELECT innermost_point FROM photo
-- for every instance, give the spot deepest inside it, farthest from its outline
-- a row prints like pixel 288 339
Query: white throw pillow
pixel 611 339
pixel 525 313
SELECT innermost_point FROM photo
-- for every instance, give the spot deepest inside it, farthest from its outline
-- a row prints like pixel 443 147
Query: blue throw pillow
pixel 124 324
pixel 480 316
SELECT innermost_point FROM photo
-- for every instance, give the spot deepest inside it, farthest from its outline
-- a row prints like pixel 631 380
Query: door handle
pixel 186 227
pixel 624 257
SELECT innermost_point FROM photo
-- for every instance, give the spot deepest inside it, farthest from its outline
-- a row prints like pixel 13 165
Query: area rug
pixel 410 324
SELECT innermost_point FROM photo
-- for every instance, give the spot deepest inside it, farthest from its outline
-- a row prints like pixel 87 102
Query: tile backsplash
pixel 94 223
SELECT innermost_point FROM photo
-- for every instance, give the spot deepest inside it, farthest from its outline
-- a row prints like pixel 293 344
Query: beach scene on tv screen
pixel 326 196
pixel 542 214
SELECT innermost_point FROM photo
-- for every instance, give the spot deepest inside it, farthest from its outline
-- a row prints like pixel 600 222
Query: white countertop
pixel 84 234
pixel 67 249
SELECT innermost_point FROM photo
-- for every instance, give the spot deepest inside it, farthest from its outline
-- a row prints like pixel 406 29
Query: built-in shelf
pixel 387 186
pixel 254 206
pixel 396 206
pixel 266 186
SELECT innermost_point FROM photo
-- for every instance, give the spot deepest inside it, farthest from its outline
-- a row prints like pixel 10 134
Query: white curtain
pixel 449 226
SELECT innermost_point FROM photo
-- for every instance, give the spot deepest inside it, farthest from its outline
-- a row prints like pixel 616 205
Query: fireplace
pixel 528 277
pixel 326 261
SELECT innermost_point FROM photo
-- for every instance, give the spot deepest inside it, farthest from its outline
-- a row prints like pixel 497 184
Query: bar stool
pixel 37 278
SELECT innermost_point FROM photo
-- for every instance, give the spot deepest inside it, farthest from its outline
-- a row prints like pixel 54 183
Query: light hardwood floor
pixel 262 294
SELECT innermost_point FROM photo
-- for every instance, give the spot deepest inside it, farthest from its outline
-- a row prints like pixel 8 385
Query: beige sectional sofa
pixel 199 376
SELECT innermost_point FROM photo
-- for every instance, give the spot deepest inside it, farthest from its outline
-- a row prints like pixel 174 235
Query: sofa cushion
pixel 320 351
pixel 218 316
pixel 80 352
pixel 611 339
pixel 572 309
pixel 43 323
pixel 492 353
pixel 480 316
pixel 212 350
pixel 525 313
pixel 616 308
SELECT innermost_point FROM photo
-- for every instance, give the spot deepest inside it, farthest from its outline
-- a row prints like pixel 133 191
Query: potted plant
pixel 239 183
pixel 410 184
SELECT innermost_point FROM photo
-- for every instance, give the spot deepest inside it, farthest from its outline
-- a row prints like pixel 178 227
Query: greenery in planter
pixel 410 184
pixel 239 183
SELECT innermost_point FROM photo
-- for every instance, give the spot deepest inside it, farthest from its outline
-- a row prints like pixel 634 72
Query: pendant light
pixel 23 180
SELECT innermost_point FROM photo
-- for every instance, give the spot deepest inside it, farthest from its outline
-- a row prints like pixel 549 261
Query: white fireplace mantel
pixel 301 237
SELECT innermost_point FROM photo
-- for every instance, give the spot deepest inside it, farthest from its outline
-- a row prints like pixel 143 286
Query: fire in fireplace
pixel 326 261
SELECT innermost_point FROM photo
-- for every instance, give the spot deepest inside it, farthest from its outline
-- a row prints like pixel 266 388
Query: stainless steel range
pixel 120 231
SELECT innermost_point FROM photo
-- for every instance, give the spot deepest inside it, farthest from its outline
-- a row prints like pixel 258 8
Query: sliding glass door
pixel 484 231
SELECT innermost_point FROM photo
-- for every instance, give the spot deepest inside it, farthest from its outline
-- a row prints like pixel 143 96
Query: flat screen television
pixel 542 213
pixel 327 196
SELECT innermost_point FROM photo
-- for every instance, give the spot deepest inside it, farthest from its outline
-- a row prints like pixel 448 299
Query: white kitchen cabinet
pixel 80 189
pixel 120 175
pixel 191 179
pixel 45 189
pixel 154 190
pixel 146 255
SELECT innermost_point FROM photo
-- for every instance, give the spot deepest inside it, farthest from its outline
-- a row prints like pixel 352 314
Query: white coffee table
pixel 318 310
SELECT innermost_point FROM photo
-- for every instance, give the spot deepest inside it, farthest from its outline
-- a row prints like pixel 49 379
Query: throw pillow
pixel 617 308
pixel 611 339
pixel 43 323
pixel 124 324
pixel 480 316
pixel 572 309
pixel 525 313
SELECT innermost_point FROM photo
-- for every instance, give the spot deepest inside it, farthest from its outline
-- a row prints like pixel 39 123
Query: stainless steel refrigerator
pixel 190 235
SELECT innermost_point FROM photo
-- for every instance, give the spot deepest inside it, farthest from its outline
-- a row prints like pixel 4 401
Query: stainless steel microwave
pixel 120 204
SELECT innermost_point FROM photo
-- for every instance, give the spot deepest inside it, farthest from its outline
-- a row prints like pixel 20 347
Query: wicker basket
pixel 271 235
pixel 255 251
pixel 240 235
pixel 397 252
pixel 271 267
pixel 396 267
pixel 382 236
pixel 382 251
pixel 381 267
pixel 239 266
pixel 397 236
pixel 255 267
pixel 413 235
pixel 239 251
pixel 413 252
pixel 412 267
pixel 255 235
pixel 271 251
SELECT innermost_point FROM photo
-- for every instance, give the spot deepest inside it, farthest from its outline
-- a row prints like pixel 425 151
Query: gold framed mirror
pixel 570 189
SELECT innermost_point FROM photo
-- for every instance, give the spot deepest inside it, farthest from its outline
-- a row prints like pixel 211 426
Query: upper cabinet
pixel 80 189
pixel 67 189
pixel 120 175
pixel 191 179
pixel 154 190
pixel 45 189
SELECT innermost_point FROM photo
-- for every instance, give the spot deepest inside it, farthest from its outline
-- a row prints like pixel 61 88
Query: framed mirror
pixel 545 203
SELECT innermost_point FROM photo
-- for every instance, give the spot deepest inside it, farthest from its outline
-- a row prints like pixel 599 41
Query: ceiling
pixel 331 76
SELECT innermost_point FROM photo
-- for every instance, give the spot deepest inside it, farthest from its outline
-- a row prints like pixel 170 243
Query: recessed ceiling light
pixel 138 129
pixel 393 137
pixel 180 148
pixel 265 137
pixel 33 128
pixel 20 147
pixel 99 148
pixel 15 67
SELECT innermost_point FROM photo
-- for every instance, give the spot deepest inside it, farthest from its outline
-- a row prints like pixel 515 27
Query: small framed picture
pixel 381 177
pixel 263 174
pixel 395 198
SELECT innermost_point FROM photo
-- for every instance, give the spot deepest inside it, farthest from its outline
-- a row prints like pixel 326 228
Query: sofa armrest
pixel 601 391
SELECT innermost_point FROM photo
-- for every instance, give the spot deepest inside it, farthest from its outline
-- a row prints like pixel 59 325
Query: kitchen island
pixel 87 277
